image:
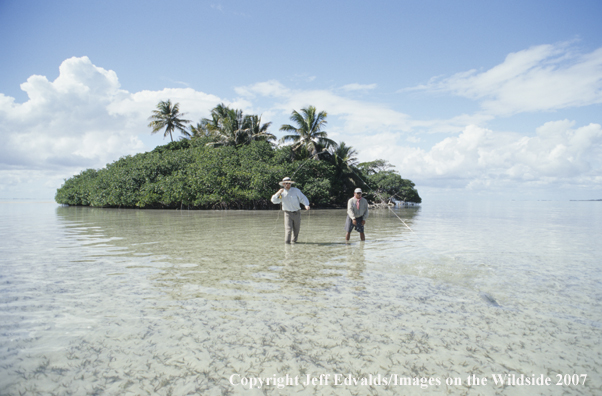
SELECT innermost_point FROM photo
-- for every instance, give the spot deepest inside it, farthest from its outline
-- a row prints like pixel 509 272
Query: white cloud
pixel 63 117
pixel 541 78
pixel 358 87
pixel 82 119
pixel 270 88
pixel 479 157
pixel 358 116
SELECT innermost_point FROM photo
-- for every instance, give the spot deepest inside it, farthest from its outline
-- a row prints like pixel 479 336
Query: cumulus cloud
pixel 479 157
pixel 358 87
pixel 64 117
pixel 541 78
pixel 356 116
pixel 83 118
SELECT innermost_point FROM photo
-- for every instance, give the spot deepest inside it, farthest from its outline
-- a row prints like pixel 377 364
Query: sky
pixel 471 100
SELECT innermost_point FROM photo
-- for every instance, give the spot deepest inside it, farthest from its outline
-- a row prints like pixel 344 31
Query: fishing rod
pixel 300 166
pixel 307 159
pixel 375 192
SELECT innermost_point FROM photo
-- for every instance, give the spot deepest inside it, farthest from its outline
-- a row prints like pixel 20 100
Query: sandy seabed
pixel 133 314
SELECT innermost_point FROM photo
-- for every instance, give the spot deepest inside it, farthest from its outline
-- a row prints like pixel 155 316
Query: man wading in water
pixel 290 197
pixel 357 213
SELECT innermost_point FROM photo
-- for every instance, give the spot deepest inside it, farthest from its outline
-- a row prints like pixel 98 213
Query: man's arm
pixel 350 209
pixel 277 198
pixel 303 199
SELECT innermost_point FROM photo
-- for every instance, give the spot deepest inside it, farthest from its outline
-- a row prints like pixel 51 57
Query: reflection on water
pixel 107 301
pixel 234 254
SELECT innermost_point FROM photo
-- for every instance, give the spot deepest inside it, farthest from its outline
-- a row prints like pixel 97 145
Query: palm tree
pixel 166 116
pixel 225 126
pixel 199 130
pixel 257 131
pixel 308 133
pixel 345 161
pixel 344 156
pixel 229 127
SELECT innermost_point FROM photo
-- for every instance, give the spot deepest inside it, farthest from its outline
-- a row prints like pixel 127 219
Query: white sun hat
pixel 286 180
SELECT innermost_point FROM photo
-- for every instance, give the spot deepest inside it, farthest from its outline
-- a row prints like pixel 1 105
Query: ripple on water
pixel 170 302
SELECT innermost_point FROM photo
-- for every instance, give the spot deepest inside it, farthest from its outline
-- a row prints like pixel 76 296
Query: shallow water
pixel 109 301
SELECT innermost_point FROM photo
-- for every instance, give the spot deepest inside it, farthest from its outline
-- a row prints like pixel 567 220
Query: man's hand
pixel 280 191
pixel 354 222
pixel 307 207
pixel 363 222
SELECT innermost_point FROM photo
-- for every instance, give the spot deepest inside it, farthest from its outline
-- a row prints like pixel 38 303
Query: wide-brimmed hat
pixel 286 180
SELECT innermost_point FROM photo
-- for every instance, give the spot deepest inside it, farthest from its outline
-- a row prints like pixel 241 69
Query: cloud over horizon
pixel 558 155
pixel 83 119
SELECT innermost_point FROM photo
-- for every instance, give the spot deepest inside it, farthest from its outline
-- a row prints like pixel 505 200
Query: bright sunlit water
pixel 137 302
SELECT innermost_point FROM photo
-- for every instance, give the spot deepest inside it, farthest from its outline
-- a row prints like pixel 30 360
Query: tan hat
pixel 286 180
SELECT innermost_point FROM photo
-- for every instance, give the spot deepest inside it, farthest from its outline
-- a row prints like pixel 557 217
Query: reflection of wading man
pixel 290 197
pixel 357 213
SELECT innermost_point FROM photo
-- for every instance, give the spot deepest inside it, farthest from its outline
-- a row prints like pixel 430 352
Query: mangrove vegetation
pixel 232 161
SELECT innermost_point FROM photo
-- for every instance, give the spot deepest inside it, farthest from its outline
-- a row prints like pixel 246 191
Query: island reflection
pixel 233 254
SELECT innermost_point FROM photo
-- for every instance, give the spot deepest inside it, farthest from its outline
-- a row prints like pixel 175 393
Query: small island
pixel 231 161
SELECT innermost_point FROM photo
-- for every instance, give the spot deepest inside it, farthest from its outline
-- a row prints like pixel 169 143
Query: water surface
pixel 109 301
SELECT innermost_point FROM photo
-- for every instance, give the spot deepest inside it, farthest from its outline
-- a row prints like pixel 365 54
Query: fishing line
pixel 304 162
pixel 280 209
pixel 488 298
pixel 372 189
pixel 404 223
pixel 276 223
pixel 382 200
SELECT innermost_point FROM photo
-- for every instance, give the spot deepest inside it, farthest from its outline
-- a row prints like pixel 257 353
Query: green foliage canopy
pixel 190 174
pixel 230 162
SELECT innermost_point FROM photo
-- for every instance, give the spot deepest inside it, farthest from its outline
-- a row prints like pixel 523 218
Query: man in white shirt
pixel 290 198
pixel 357 213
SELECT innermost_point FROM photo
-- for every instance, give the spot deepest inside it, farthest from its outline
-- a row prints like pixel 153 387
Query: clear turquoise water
pixel 108 301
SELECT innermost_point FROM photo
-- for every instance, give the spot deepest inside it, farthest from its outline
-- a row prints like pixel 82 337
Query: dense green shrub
pixel 191 174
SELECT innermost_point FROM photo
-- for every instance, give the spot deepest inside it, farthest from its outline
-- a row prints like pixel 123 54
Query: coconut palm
pixel 167 116
pixel 199 130
pixel 308 134
pixel 229 127
pixel 345 161
pixel 344 156
pixel 257 131
pixel 225 126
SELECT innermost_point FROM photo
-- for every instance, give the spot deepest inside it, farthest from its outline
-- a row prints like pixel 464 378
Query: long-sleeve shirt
pixel 354 212
pixel 290 199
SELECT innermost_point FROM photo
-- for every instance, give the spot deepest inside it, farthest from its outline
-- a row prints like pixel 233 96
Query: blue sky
pixel 469 99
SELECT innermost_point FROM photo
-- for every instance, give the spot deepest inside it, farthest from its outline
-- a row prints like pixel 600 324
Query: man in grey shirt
pixel 357 213
pixel 290 198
